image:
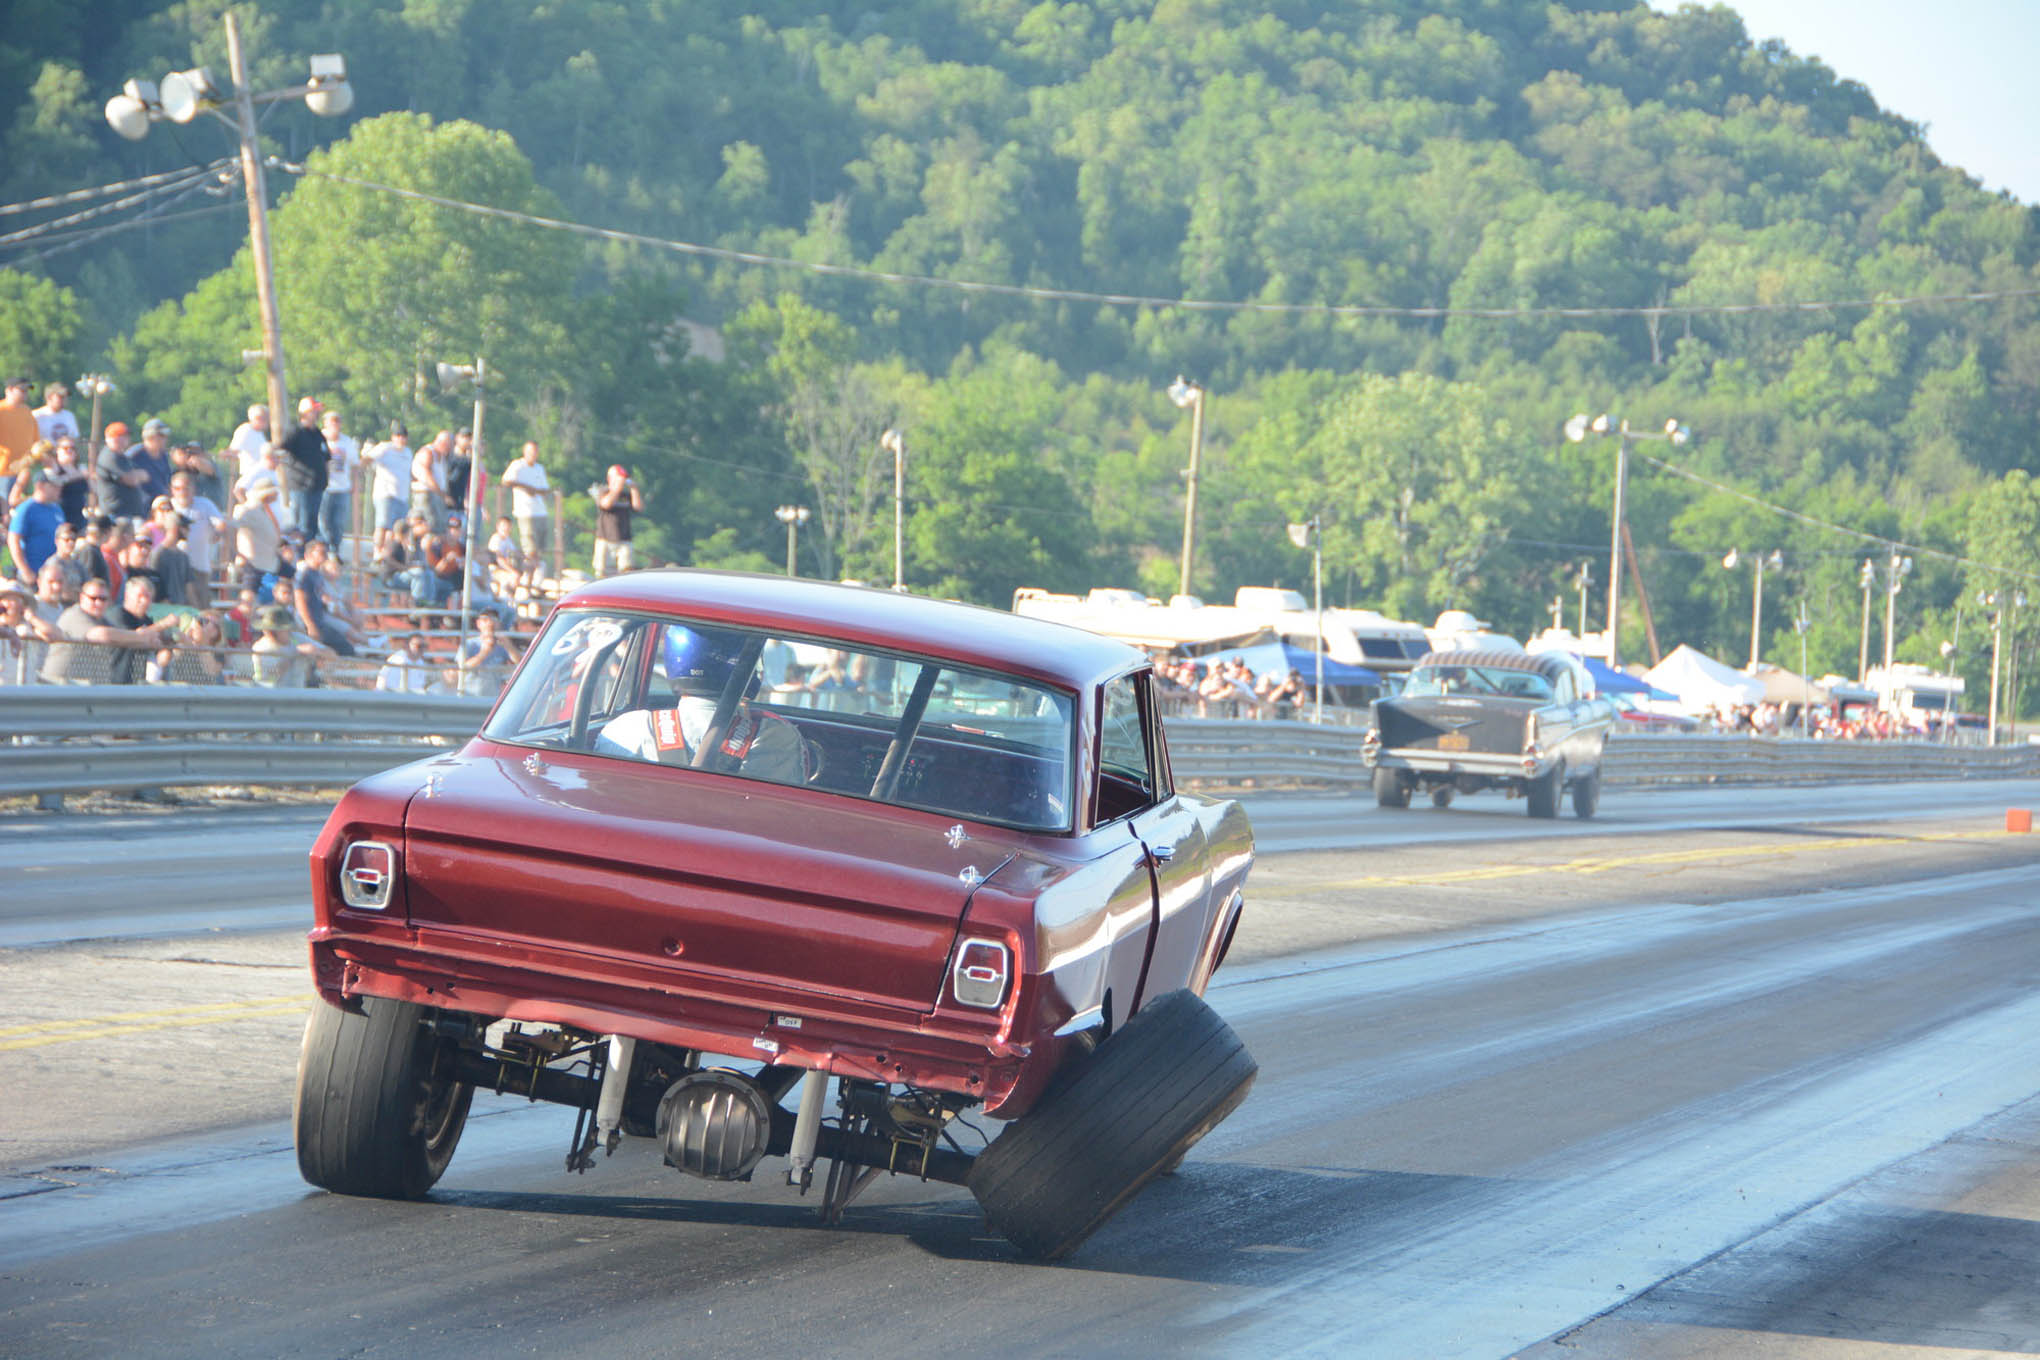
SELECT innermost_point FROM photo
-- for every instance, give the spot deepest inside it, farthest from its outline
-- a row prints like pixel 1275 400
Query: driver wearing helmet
pixel 699 662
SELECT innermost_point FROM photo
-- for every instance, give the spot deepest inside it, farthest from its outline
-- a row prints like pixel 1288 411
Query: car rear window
pixel 1477 680
pixel 881 726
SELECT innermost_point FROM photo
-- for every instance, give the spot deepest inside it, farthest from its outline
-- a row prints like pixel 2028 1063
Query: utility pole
pixel 1186 393
pixel 258 223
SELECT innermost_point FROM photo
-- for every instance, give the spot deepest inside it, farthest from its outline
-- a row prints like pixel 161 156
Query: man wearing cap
pixel 392 461
pixel 460 468
pixel 121 482
pixel 305 457
pixel 52 420
pixel 153 457
pixel 32 529
pixel 18 433
pixel 284 657
pixel 614 506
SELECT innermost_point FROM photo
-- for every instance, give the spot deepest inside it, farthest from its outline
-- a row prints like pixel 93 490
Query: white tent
pixel 1702 683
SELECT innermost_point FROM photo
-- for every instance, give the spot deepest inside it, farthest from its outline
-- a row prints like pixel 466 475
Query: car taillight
pixel 367 871
pixel 979 978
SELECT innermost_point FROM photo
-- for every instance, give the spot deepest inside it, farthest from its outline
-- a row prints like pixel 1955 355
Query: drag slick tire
pixel 1544 792
pixel 373 1115
pixel 1389 789
pixel 1118 1118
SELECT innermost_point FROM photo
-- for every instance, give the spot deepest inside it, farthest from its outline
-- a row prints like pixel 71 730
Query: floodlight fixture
pixel 186 94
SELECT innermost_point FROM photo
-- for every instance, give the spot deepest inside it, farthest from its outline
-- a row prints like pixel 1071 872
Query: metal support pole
pixel 1615 551
pixel 1190 497
pixel 1317 593
pixel 1997 637
pixel 477 473
pixel 1757 617
pixel 258 224
pixel 895 442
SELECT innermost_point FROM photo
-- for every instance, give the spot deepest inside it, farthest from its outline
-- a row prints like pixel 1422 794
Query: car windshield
pixel 1489 681
pixel 882 726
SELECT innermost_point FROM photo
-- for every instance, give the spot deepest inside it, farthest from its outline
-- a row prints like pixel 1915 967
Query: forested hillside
pixel 1384 209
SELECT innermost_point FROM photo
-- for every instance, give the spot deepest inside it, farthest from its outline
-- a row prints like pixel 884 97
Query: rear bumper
pixel 489 977
pixel 1486 764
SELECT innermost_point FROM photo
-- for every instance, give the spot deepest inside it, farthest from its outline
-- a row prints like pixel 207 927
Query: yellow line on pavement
pixel 1599 864
pixel 140 1022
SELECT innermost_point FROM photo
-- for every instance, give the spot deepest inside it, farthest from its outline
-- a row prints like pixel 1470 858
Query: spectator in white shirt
pixel 52 421
pixel 407 671
pixel 251 440
pixel 529 492
pixel 336 511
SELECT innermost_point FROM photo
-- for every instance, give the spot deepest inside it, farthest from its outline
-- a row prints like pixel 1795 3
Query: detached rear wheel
pixel 377 1112
pixel 1389 789
pixel 1122 1116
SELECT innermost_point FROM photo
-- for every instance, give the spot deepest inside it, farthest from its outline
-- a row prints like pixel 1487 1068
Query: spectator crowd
pixel 152 560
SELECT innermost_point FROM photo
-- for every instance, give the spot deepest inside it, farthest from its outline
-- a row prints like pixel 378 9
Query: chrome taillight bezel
pixel 981 974
pixel 367 886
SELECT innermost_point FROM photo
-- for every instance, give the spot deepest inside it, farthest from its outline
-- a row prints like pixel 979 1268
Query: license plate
pixel 1452 741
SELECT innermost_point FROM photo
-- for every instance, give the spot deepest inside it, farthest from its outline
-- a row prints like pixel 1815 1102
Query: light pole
pixel 1896 569
pixel 451 376
pixel 1586 583
pixel 181 97
pixel 1577 429
pixel 1773 559
pixel 1989 600
pixel 95 386
pixel 1185 393
pixel 1310 534
pixel 792 516
pixel 1800 624
pixel 1868 578
pixel 893 442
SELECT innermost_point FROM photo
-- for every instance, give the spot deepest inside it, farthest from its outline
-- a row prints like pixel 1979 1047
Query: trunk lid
pixel 1446 724
pixel 740 887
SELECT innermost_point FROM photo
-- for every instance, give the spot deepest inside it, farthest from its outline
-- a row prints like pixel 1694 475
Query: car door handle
pixel 1162 854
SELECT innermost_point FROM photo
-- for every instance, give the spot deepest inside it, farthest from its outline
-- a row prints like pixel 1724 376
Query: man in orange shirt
pixel 18 433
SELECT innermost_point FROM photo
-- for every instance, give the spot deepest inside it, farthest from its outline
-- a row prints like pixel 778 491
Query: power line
pixel 1136 300
pixel 1889 544
pixel 189 178
pixel 99 191
pixel 86 236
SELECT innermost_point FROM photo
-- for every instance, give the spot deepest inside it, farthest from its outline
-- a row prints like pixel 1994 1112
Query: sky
pixel 1968 70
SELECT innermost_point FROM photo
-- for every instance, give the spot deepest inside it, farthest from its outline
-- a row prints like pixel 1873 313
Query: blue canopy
pixel 1608 680
pixel 1277 658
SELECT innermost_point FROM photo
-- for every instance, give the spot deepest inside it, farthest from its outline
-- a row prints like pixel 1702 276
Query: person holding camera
pixel 615 503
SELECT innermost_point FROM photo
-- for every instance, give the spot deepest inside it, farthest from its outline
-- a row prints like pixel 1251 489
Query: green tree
pixel 39 328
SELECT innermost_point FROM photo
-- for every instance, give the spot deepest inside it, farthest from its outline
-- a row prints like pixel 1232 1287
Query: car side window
pixel 1126 774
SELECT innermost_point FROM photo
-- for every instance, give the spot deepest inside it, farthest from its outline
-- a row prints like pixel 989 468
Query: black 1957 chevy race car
pixel 1468 721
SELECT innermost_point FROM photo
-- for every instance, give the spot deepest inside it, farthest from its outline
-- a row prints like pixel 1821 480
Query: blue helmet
pixel 699 660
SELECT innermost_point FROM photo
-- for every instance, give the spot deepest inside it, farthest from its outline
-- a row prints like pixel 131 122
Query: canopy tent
pixel 1276 657
pixel 1608 680
pixel 1702 683
pixel 1789 687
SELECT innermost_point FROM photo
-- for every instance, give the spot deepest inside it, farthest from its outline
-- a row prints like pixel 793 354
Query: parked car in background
pixel 729 842
pixel 1631 715
pixel 1466 721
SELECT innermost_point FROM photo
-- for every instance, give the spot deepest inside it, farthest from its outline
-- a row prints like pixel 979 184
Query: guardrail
pixel 1264 754
pixel 81 739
